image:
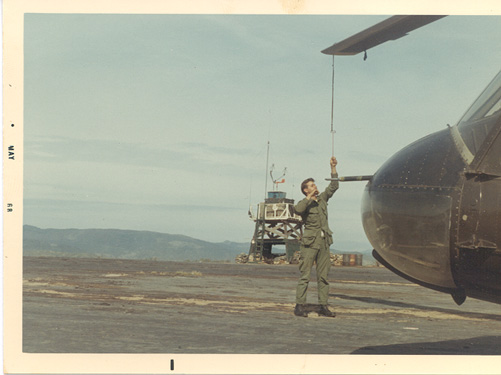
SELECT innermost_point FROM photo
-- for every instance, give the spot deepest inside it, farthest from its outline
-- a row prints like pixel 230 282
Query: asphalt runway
pixel 132 306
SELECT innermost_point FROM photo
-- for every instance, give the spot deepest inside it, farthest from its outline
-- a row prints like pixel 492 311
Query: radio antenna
pixel 266 174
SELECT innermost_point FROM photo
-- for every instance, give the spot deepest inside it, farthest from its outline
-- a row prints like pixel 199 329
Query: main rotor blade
pixel 390 29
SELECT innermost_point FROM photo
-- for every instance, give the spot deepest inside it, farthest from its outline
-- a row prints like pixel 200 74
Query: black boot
pixel 324 311
pixel 299 310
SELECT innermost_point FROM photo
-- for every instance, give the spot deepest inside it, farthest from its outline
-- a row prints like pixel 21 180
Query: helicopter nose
pixel 407 210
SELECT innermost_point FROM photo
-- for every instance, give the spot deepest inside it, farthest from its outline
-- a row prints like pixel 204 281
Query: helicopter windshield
pixel 479 120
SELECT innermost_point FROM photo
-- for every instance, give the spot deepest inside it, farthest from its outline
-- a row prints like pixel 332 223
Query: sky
pixel 162 122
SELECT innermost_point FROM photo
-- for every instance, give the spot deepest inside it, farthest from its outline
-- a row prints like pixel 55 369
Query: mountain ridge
pixel 133 244
pixel 126 244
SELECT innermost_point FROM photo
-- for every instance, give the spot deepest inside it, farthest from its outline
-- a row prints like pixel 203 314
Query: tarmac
pixel 75 305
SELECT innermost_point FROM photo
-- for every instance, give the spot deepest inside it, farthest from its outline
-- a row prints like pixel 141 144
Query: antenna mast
pixel 266 172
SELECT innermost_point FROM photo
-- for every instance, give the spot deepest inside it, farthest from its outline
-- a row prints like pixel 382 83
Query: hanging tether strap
pixel 332 107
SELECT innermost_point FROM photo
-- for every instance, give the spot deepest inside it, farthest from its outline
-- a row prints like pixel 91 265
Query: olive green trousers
pixel 309 256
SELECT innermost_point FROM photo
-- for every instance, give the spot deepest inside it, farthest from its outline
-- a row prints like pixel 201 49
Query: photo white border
pixel 15 361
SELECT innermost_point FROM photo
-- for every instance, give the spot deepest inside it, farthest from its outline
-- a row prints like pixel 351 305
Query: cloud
pixel 173 156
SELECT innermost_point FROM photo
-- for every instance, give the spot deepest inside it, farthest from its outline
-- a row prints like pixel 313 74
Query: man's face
pixel 310 187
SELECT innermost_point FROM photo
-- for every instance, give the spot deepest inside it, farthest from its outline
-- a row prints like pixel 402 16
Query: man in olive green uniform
pixel 317 238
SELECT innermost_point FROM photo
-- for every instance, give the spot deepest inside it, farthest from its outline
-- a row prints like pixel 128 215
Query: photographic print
pixel 235 188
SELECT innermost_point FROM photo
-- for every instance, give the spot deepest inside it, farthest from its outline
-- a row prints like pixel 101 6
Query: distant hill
pixel 131 244
pixel 125 244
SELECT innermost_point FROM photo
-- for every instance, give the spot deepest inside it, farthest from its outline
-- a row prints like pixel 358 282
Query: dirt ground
pixel 127 306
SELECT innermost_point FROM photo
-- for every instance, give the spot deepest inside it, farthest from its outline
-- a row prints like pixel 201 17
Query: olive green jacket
pixel 315 216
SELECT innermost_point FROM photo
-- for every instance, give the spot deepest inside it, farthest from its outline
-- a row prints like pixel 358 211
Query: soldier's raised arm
pixel 334 185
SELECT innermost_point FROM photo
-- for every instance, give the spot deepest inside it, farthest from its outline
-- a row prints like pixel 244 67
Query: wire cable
pixel 332 107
